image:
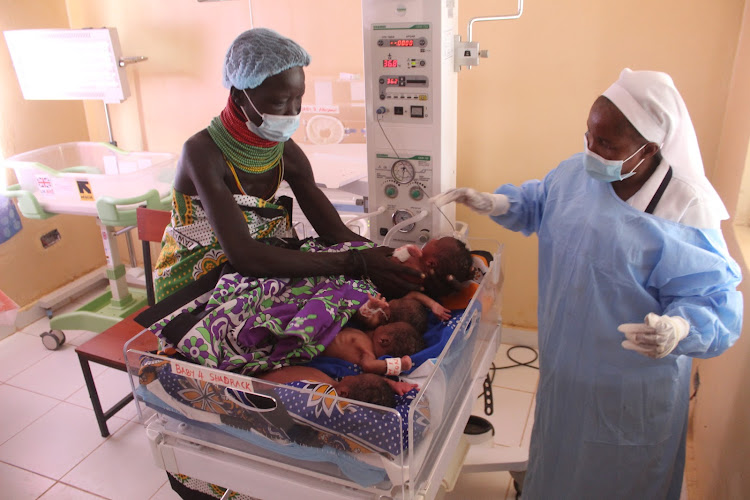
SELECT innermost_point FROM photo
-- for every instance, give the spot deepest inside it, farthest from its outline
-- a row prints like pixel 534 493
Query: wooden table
pixel 107 349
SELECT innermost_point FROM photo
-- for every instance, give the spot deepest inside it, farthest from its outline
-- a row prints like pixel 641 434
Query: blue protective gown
pixel 611 423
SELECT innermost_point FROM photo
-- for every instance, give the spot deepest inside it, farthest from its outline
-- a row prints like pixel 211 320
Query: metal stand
pixel 109 125
pixel 124 61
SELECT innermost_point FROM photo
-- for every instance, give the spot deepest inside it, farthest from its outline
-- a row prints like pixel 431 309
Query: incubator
pixel 273 441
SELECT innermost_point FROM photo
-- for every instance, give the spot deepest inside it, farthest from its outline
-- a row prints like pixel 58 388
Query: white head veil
pixel 651 102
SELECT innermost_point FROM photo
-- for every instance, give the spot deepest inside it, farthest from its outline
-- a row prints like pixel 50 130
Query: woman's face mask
pixel 605 170
pixel 277 128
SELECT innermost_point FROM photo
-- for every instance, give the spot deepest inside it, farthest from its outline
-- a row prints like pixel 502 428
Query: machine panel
pixel 411 109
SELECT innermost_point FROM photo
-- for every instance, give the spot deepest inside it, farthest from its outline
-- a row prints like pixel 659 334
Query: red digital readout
pixel 390 63
pixel 402 43
pixel 391 81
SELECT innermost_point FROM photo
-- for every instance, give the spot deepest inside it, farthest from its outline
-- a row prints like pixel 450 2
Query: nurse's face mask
pixel 605 170
pixel 277 128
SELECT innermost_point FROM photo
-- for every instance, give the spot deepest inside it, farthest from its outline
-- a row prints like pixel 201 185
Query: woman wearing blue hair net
pixel 227 177
pixel 224 198
pixel 634 281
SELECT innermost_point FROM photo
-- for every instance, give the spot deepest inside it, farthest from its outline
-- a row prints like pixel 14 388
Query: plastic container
pixel 70 178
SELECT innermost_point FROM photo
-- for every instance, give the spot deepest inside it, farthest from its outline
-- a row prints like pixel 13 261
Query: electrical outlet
pixel 49 239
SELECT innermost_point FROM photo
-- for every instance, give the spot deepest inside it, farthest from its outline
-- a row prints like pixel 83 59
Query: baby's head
pixel 367 387
pixel 410 310
pixel 396 339
pixel 445 257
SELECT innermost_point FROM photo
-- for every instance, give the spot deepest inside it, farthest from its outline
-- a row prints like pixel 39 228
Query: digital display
pixel 391 81
pixel 390 63
pixel 402 43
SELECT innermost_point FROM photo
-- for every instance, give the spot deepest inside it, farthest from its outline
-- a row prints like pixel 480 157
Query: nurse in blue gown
pixel 635 280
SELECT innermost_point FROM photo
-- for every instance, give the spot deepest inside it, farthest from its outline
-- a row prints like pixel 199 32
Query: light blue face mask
pixel 605 170
pixel 277 128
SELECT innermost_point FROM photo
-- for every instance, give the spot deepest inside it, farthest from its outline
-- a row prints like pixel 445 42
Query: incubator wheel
pixel 53 339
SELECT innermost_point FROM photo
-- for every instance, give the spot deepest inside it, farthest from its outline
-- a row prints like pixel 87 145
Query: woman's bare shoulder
pixel 200 145
pixel 199 158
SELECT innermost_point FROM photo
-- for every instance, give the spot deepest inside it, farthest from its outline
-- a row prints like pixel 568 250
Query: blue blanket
pixel 437 335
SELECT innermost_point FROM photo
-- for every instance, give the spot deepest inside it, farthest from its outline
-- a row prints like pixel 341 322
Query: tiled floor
pixel 50 446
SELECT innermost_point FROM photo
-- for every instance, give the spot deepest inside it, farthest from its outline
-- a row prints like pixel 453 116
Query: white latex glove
pixel 482 203
pixel 656 337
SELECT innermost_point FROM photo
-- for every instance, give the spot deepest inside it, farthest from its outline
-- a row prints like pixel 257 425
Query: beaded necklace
pixel 247 151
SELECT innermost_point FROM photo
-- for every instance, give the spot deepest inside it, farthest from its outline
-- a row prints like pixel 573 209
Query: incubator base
pixel 177 447
pixel 491 457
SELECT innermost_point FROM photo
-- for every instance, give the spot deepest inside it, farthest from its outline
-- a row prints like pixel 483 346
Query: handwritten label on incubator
pixel 199 373
pixel 320 108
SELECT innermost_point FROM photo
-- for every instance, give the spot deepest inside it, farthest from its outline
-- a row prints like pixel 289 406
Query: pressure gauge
pixel 400 216
pixel 402 171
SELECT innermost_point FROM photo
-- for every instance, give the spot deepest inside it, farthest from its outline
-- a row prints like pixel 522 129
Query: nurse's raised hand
pixel 390 277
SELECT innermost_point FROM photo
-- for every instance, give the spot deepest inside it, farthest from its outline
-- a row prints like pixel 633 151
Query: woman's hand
pixel 391 278
pixel 441 286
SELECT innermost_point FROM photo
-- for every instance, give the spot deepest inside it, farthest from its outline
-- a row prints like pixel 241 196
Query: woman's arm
pixel 202 171
pixel 386 274
pixel 699 284
pixel 202 168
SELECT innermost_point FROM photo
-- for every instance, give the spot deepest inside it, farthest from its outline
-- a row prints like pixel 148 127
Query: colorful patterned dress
pixel 249 325
pixel 190 248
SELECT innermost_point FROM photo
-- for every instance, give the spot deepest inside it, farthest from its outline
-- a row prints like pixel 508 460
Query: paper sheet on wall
pixel 358 91
pixel 323 93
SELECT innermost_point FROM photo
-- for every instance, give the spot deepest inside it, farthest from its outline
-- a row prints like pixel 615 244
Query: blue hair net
pixel 257 54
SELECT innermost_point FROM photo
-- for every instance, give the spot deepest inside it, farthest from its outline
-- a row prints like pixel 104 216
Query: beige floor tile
pixel 121 468
pixel 58 375
pixel 19 484
pixel 57 441
pixel 20 409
